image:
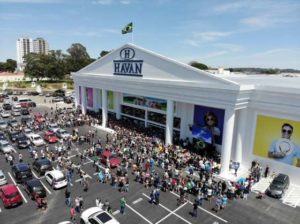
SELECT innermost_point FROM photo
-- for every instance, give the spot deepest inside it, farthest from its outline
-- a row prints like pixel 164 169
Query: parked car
pixel 53 127
pixel 42 165
pixel 59 93
pixel 58 99
pixel 16 112
pixel 6 106
pixel 27 120
pixel 28 133
pixel 56 179
pixel 13 135
pixel 33 93
pixel 10 195
pixel 114 161
pixel 38 118
pixel 68 100
pixel 17 105
pixel 61 133
pixel 3 179
pixel 22 172
pixel 3 137
pixel 278 186
pixel 37 140
pixel 5 147
pixel 24 111
pixel 14 98
pixel 34 188
pixel 47 95
pixel 13 123
pixel 22 141
pixel 3 125
pixel 50 137
pixel 5 114
pixel 96 215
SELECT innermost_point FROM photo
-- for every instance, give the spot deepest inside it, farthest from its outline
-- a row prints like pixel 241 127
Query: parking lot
pixel 138 209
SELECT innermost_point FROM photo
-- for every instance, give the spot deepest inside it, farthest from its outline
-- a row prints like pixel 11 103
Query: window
pixel 104 217
pixel 133 111
pixel 93 221
pixel 156 117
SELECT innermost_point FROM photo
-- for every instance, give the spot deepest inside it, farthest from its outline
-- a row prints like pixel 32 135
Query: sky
pixel 218 33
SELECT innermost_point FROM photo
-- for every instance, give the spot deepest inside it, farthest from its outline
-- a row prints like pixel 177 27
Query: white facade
pixel 250 104
pixel 24 47
pixel 40 46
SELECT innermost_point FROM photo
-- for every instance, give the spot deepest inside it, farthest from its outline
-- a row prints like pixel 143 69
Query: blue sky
pixel 254 33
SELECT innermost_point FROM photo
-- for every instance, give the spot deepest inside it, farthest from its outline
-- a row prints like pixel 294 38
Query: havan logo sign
pixel 127 66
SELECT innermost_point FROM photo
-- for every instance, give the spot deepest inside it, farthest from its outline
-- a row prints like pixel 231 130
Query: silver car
pixel 3 125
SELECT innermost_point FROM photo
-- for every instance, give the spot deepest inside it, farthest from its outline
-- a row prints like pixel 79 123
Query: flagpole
pixel 132 37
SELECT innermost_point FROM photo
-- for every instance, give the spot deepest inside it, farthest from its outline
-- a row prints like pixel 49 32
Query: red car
pixel 50 137
pixel 39 118
pixel 10 195
pixel 114 161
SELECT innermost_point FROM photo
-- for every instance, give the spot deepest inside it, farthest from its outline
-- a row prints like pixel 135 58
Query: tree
pixel 9 66
pixel 77 58
pixel 35 66
pixel 103 53
pixel 198 65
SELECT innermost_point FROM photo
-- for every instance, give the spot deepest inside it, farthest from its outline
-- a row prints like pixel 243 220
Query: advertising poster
pixel 89 97
pixel 150 102
pixel 208 124
pixel 80 95
pixel 277 139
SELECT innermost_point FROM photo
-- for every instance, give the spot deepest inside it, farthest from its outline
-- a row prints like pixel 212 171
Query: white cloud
pixel 229 7
pixel 197 38
pixel 262 21
pixel 125 2
pixel 102 2
pixel 214 54
pixel 229 47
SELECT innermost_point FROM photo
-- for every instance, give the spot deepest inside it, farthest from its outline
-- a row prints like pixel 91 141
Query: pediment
pixel 133 61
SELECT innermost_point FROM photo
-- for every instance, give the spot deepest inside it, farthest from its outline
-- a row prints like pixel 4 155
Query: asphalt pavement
pixel 138 209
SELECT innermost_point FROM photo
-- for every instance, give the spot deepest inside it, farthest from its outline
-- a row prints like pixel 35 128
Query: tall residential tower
pixel 24 47
pixel 40 46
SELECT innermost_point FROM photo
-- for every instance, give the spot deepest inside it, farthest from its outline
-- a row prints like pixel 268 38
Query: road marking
pixel 139 214
pixel 172 213
pixel 17 187
pixel 203 209
pixel 41 182
pixel 137 201
pixel 87 162
pixel 116 212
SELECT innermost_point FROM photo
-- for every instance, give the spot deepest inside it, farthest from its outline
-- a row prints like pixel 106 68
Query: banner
pixel 80 95
pixel 89 97
pixel 277 139
pixel 202 134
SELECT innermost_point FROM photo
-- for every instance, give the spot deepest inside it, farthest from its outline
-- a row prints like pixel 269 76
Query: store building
pixel 242 116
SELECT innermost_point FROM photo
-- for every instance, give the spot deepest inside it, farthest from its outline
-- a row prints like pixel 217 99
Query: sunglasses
pixel 286 131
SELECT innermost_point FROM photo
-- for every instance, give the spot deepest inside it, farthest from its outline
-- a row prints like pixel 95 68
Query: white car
pixel 96 215
pixel 5 147
pixel 56 179
pixel 53 127
pixel 3 179
pixel 17 106
pixel 5 114
pixel 28 132
pixel 37 140
pixel 16 112
pixel 3 125
pixel 61 133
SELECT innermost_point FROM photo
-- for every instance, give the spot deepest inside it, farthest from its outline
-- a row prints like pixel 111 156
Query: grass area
pixel 46 85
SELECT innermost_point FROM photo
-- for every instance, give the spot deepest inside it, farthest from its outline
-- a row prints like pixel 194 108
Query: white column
pixel 169 123
pixel 240 135
pixel 117 102
pixel 77 100
pixel 104 107
pixel 95 99
pixel 227 140
pixel 83 99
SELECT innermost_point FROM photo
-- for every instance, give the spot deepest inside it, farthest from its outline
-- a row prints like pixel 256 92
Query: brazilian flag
pixel 127 28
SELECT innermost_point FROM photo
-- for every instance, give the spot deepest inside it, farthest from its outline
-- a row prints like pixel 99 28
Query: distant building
pixel 40 46
pixel 24 47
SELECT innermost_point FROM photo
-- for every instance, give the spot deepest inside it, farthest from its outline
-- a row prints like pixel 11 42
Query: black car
pixel 13 123
pixel 22 172
pixel 34 93
pixel 68 100
pixel 42 165
pixel 278 186
pixel 6 106
pixel 13 135
pixel 59 93
pixel 23 142
pixel 34 187
pixel 2 136
pixel 25 111
pixel 28 121
pixel 14 98
pixel 31 104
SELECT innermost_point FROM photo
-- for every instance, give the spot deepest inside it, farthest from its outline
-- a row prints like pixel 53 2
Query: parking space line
pixel 137 201
pixel 88 162
pixel 139 214
pixel 17 187
pixel 172 213
pixel 41 182
pixel 223 220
